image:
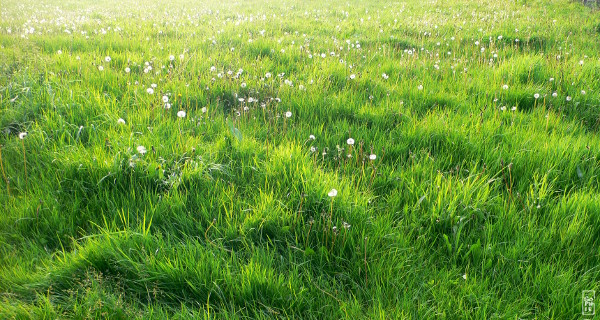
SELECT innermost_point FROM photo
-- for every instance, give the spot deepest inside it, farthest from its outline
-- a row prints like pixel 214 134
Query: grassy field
pixel 299 159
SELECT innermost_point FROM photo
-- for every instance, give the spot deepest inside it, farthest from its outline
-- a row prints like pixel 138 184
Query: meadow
pixel 299 159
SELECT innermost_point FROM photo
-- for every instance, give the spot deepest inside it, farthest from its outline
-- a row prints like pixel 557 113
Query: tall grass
pixel 461 138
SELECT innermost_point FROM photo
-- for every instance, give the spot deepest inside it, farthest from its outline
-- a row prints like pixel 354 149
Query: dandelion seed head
pixel 332 193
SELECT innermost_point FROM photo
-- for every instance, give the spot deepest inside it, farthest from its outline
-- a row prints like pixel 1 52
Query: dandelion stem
pixel 24 161
pixel 366 273
pixel 373 176
pixel 300 207
pixel 3 173
pixel 307 235
pixel 333 241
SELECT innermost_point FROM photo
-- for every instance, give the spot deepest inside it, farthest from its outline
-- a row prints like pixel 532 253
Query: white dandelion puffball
pixel 181 114
pixel 22 135
pixel 154 85
pixel 150 91
pixel 311 137
pixel 171 57
pixel 513 108
pixel 127 70
pixel 537 95
pixel 203 109
pixel 107 59
pixel 332 193
pixel 554 94
pixel 100 68
pixel 165 99
pixel 352 76
pixel 569 98
pixel 373 157
pixel 420 87
pixel 121 121
pixel 583 92
pixel 505 87
pixel 350 141
pixel 288 114
pixel 141 149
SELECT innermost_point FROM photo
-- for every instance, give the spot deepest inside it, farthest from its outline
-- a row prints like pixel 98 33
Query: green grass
pixel 482 201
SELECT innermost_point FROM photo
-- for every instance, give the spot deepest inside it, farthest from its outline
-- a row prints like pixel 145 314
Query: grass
pixel 463 196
